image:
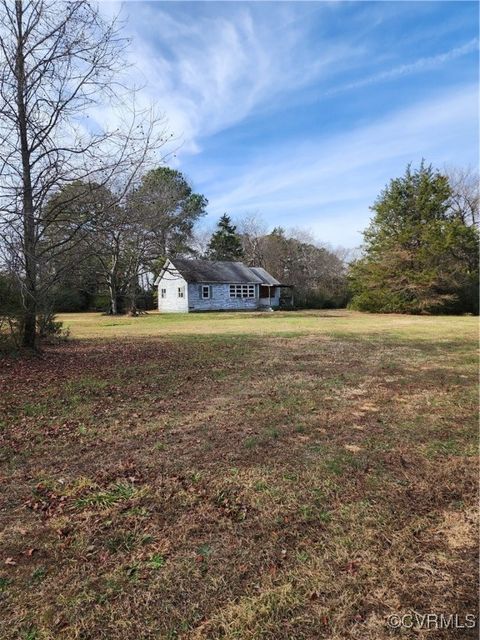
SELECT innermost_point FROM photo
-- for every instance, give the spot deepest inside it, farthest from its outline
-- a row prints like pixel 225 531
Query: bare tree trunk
pixel 112 283
pixel 30 285
pixel 132 304
pixel 113 299
pixel 132 310
pixel 133 288
pixel 132 295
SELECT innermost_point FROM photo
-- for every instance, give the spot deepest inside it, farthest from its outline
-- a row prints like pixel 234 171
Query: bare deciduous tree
pixel 58 60
pixel 296 257
pixel 465 199
pixel 200 240
pixel 252 229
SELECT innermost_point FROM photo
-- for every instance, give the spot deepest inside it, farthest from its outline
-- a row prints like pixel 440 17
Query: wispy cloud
pixel 328 184
pixel 245 85
pixel 420 65
pixel 211 72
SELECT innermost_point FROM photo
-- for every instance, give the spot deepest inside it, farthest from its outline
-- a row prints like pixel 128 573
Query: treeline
pixel 420 253
pixel 101 252
pixel 110 264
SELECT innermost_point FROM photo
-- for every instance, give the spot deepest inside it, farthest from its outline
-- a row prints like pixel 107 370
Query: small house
pixel 201 285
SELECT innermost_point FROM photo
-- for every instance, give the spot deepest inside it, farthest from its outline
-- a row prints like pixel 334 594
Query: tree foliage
pixel 316 273
pixel 225 243
pixel 124 241
pixel 419 253
pixel 168 210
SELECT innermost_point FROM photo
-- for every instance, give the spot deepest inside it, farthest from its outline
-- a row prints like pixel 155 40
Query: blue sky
pixel 300 112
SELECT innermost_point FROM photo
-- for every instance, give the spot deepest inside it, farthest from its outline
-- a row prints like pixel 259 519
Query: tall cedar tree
pixel 225 243
pixel 419 254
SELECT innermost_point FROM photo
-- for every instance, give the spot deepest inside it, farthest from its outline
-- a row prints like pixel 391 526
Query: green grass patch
pixel 118 492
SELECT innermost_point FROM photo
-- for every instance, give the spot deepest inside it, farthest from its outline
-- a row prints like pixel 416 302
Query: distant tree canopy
pixel 316 272
pixel 420 251
pixel 225 243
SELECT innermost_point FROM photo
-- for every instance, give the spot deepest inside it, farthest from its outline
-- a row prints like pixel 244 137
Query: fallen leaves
pixel 214 525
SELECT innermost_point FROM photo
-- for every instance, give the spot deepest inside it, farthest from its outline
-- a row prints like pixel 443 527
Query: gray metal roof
pixel 225 272
pixel 264 276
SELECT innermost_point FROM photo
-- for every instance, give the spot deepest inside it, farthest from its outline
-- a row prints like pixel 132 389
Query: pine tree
pixel 225 243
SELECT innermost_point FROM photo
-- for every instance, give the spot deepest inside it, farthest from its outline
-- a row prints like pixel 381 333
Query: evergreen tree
pixel 419 255
pixel 225 243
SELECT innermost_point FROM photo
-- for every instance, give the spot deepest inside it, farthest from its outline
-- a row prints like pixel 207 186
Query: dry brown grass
pixel 238 487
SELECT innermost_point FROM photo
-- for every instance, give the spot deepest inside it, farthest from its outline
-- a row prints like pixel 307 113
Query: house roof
pixel 265 277
pixel 222 271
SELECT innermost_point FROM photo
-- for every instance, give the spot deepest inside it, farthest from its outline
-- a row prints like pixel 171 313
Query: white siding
pixel 219 299
pixel 171 281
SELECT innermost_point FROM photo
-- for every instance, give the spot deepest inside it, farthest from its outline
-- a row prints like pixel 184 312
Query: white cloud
pixel 330 183
pixel 213 69
pixel 210 72
pixel 422 64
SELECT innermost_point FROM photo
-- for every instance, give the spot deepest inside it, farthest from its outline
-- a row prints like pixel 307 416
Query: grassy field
pixel 285 476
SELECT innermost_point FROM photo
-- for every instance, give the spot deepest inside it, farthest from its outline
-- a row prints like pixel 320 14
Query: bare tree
pixel 58 60
pixel 465 199
pixel 305 236
pixel 296 257
pixel 117 250
pixel 252 230
pixel 200 240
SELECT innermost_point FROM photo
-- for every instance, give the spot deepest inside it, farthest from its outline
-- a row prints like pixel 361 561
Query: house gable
pixel 172 290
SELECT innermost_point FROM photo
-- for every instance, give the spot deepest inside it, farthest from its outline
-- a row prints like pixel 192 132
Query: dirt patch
pixel 354 448
pixel 460 528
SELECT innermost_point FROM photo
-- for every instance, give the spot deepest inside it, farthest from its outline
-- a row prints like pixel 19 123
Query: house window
pixel 205 292
pixel 163 293
pixel 242 291
pixel 181 292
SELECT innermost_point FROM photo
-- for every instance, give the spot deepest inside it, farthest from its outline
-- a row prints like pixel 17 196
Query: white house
pixel 200 285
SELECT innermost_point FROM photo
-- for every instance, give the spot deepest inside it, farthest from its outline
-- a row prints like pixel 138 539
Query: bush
pixel 48 327
pixel 380 302
pixel 321 299
pixel 10 312
pixel 70 300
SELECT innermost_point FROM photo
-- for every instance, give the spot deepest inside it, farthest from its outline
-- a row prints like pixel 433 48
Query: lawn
pixel 282 476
